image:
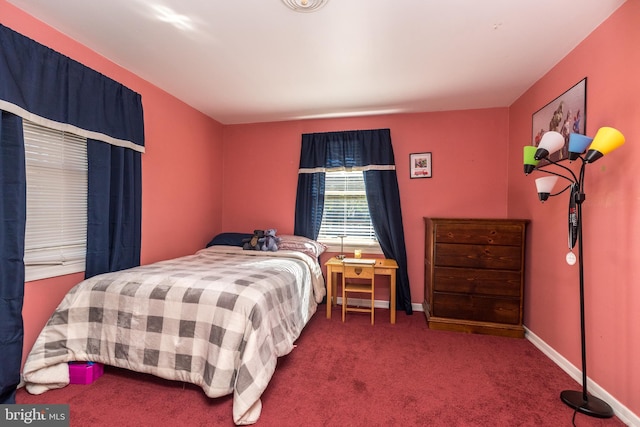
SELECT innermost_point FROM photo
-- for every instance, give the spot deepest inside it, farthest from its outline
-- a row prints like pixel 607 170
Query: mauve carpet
pixel 355 374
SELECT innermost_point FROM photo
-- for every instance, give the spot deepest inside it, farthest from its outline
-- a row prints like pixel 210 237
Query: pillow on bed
pixel 301 244
pixel 229 239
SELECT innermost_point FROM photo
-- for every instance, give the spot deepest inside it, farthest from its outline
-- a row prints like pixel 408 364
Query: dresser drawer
pixel 478 233
pixel 476 281
pixel 478 256
pixel 478 308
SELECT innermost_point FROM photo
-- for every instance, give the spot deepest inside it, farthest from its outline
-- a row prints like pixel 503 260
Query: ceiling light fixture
pixel 304 5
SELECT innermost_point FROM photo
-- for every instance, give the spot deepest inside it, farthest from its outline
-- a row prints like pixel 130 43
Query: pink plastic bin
pixel 84 372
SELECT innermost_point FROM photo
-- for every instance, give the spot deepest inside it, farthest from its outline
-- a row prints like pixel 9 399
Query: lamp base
pixel 593 406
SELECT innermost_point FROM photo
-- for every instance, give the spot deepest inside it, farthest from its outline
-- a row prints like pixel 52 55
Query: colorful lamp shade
pixel 551 142
pixel 578 144
pixel 544 186
pixel 529 160
pixel 606 140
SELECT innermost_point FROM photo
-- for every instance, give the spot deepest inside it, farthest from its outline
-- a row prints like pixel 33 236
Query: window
pixel 346 213
pixel 56 228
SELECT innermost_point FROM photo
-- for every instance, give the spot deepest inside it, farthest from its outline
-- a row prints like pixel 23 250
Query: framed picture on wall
pixel 565 114
pixel 420 165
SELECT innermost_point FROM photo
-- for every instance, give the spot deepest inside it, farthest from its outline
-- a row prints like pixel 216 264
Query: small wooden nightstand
pixel 383 266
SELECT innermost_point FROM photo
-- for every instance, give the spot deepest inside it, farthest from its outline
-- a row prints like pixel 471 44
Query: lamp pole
pixel 582 401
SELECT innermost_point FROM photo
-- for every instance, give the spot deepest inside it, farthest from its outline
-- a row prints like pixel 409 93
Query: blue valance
pixel 345 149
pixel 44 86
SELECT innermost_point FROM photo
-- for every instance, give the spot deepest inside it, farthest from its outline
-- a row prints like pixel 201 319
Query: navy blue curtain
pixel 53 90
pixel 310 193
pixel 371 150
pixel 13 196
pixel 113 209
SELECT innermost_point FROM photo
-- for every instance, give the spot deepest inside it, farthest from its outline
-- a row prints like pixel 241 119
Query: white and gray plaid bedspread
pixel 219 319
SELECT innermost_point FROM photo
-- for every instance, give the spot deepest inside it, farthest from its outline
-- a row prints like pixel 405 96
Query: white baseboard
pixel 417 307
pixel 622 412
pixel 362 302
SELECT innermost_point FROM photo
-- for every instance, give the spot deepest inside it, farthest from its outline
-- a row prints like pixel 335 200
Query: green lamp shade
pixel 529 160
pixel 606 140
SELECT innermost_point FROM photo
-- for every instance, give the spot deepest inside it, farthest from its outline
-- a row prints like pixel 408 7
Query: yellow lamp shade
pixel 606 140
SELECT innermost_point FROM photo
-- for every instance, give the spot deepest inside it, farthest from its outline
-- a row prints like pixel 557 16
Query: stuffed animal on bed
pixel 254 243
pixel 270 241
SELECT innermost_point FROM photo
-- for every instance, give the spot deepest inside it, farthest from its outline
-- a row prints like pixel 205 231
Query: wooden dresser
pixel 474 275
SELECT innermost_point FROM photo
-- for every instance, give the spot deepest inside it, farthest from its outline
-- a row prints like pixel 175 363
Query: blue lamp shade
pixel 551 142
pixel 544 186
pixel 578 144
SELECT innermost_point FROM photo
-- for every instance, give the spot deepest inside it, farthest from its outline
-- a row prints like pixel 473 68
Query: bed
pixel 219 319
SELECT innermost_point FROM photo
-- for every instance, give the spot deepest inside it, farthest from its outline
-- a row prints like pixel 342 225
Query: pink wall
pixel 181 171
pixel 610 59
pixel 250 181
pixel 261 164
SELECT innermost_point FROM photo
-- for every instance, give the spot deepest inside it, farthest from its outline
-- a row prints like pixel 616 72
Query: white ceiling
pixel 244 61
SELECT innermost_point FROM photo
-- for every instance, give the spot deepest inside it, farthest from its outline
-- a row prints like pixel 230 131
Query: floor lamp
pixel 606 140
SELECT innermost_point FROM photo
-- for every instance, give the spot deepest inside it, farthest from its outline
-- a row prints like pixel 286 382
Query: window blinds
pixel 346 212
pixel 56 228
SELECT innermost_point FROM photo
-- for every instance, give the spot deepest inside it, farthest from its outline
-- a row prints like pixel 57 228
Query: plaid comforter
pixel 219 319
